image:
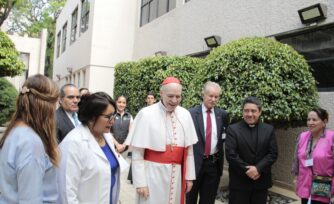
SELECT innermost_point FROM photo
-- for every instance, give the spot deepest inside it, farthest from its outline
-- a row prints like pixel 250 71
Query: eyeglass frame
pixel 110 117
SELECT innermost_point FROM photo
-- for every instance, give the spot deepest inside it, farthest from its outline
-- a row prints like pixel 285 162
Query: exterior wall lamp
pixel 313 14
pixel 160 53
pixel 212 41
pixel 70 69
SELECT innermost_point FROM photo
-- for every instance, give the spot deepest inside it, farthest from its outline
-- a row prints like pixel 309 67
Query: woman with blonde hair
pixel 28 149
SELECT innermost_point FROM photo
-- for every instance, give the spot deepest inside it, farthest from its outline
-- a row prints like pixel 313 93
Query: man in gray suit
pixel 66 114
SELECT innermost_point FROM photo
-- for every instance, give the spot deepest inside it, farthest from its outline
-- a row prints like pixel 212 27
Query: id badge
pixel 309 162
pixel 224 136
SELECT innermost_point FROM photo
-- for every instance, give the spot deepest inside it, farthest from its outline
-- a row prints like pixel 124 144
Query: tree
pixel 5 8
pixel 10 63
pixel 31 16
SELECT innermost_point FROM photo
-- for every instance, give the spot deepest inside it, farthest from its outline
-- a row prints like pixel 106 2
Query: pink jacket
pixel 323 163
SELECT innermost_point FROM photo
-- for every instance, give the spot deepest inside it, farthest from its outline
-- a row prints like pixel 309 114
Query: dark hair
pixel 321 113
pixel 81 89
pixel 62 89
pixel 150 93
pixel 119 96
pixel 92 106
pixel 253 100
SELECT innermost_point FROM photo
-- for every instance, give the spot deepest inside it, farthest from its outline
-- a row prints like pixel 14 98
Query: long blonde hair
pixel 35 106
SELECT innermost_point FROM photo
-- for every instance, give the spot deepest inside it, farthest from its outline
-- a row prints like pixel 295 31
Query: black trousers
pixel 304 201
pixel 206 184
pixel 248 197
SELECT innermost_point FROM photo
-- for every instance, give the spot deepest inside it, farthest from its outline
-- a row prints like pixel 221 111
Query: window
pixel 25 59
pixel 74 25
pixel 85 4
pixel 317 46
pixel 63 44
pixel 58 44
pixel 152 9
pixel 187 1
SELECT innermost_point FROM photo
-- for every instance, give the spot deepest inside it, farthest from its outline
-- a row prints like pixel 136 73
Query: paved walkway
pixel 128 191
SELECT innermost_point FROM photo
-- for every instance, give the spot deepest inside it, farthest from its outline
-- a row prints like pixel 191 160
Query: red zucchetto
pixel 171 79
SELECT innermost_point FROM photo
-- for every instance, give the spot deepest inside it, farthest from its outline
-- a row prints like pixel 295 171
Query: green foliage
pixel 136 79
pixel 10 63
pixel 5 8
pixel 261 67
pixel 31 16
pixel 8 96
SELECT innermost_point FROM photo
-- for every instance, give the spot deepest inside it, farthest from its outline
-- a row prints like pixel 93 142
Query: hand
pixel 252 172
pixel 143 191
pixel 189 185
pixel 120 147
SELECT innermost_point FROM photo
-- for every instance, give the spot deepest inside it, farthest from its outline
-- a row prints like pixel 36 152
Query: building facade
pixel 91 37
pixel 32 53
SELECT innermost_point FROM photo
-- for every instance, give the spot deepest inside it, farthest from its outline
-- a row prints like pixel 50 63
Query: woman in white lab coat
pixel 90 167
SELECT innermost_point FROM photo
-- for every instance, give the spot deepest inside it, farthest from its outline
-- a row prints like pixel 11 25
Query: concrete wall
pixel 182 30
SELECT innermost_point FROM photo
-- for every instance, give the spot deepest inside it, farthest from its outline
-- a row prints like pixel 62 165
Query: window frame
pixel 84 17
pixel 58 44
pixel 64 38
pixel 74 26
pixel 146 4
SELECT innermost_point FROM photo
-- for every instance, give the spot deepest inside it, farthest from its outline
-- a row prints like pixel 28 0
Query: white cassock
pixel 153 129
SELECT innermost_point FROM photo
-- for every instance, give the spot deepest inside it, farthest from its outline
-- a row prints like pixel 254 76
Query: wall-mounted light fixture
pixel 70 69
pixel 58 76
pixel 313 14
pixel 160 53
pixel 212 41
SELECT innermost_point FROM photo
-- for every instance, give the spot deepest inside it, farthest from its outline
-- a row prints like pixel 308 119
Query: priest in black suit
pixel 66 114
pixel 210 123
pixel 251 150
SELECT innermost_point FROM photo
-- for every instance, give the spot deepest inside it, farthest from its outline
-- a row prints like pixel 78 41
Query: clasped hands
pixel 252 172
pixel 144 192
pixel 120 147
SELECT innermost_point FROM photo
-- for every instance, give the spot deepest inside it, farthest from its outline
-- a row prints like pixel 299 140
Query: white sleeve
pixel 138 167
pixel 70 171
pixel 190 164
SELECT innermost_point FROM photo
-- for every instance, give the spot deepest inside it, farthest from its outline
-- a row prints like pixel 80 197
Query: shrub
pixel 136 79
pixel 261 67
pixel 10 63
pixel 8 96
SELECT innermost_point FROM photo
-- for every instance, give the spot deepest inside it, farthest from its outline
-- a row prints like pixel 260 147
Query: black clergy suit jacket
pixel 241 151
pixel 199 147
pixel 64 124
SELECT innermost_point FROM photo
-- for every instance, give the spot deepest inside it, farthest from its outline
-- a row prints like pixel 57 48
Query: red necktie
pixel 208 133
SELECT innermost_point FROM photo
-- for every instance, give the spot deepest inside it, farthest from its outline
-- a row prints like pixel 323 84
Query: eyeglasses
pixel 109 117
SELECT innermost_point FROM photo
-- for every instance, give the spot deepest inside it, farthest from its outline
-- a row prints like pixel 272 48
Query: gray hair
pixel 211 84
pixel 62 92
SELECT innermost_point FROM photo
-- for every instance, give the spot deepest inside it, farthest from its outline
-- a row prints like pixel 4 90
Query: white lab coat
pixel 84 175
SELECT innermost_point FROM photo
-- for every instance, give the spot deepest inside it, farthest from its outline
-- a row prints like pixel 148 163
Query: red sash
pixel 177 156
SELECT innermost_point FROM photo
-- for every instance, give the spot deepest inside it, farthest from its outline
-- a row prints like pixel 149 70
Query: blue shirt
pixel 26 174
pixel 113 165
